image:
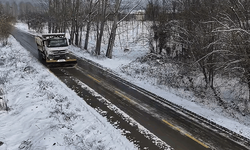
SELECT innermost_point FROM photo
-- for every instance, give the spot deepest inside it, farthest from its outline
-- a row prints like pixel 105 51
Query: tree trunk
pixel 76 34
pixel 248 83
pixel 99 39
pixel 87 35
pixel 103 20
pixel 88 27
pixel 112 39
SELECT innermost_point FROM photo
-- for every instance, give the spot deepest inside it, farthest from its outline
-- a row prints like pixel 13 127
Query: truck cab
pixel 53 47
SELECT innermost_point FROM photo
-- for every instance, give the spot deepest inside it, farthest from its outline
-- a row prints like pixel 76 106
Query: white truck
pixel 53 47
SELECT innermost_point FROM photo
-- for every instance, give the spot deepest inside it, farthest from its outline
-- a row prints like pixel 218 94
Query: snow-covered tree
pixel 5 28
pixel 235 34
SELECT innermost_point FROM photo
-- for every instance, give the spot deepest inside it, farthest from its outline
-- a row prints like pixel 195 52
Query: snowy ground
pixel 44 113
pixel 239 124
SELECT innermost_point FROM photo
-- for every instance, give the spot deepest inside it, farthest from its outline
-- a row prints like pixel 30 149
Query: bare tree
pixel 116 22
pixel 235 28
pixel 102 13
pixel 113 29
pixel 91 13
pixel 196 32
pixel 5 24
pixel 5 28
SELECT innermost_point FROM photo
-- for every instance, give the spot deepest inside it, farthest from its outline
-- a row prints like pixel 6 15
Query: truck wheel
pixel 39 54
pixel 43 55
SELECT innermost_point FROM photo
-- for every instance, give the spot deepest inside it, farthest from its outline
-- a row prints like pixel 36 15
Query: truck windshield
pixel 57 43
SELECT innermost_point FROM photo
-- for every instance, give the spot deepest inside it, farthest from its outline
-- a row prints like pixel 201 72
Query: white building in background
pixel 138 15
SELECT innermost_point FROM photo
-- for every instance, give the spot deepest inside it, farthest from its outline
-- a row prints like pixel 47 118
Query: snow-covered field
pixel 240 124
pixel 44 113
